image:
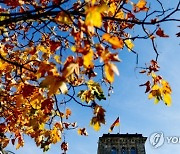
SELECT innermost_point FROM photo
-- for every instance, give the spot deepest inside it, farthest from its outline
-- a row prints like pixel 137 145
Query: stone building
pixel 121 144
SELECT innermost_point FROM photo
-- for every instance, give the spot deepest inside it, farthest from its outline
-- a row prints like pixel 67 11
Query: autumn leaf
pixel 70 69
pixel 55 135
pixel 4 142
pixel 120 15
pixel 129 44
pixel 148 86
pixel 57 59
pixel 82 131
pixel 161 33
pixel 63 18
pixel 99 118
pixel 64 146
pixel 88 59
pixel 96 125
pixel 93 15
pixel 20 142
pixel 53 83
pixel 36 101
pixel 140 6
pixel 68 113
pixel 115 41
pixel 110 69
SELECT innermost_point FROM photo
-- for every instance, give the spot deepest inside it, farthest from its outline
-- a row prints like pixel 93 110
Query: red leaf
pixel 160 33
pixel 148 86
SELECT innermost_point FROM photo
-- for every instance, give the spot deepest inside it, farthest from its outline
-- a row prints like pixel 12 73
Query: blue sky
pixel 137 113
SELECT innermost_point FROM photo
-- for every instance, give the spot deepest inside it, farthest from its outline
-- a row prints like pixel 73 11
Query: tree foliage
pixel 53 52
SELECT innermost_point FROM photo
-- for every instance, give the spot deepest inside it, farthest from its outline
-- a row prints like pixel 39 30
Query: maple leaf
pixel 99 118
pixel 47 105
pixel 148 86
pixel 20 142
pixel 36 101
pixel 55 135
pixel 82 131
pixel 69 69
pixel 110 69
pixel 53 83
pixel 129 44
pixel 93 15
pixel 64 146
pixel 4 142
pixel 140 6
pixel 63 17
pixel 87 59
pixel 161 33
pixel 115 41
pixel 86 95
pixel 68 113
pixel 120 15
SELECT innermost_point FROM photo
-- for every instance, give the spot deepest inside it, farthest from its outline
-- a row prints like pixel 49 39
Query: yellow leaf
pixel 114 41
pixel 150 96
pixel 141 4
pixel 57 59
pixel 120 15
pixel 156 100
pixel 72 67
pixel 93 19
pixel 64 18
pixel 129 44
pixel 110 69
pixel 82 132
pixel 36 101
pixel 73 48
pixel 112 9
pixel 167 99
pixel 53 83
pixel 43 49
pixel 93 15
pixel 97 126
pixel 88 59
pixel 3 65
pixel 55 135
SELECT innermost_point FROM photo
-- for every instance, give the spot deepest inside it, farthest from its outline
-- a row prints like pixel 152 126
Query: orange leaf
pixel 110 69
pixel 140 6
pixel 115 41
pixel 68 113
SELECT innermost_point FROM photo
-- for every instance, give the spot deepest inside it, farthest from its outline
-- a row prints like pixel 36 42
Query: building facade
pixel 121 144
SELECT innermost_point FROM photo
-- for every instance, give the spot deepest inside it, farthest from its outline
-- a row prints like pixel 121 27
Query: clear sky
pixel 137 113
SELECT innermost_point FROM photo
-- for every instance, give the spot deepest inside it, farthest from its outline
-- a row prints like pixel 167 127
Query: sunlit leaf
pixel 110 69
pixel 63 17
pixel 88 59
pixel 114 41
pixel 82 131
pixel 93 15
pixel 129 44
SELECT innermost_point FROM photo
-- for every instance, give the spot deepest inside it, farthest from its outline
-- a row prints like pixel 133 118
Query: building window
pixel 133 151
pixel 113 150
pixel 123 150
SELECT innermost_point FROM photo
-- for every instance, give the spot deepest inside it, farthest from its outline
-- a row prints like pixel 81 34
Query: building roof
pixel 122 135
